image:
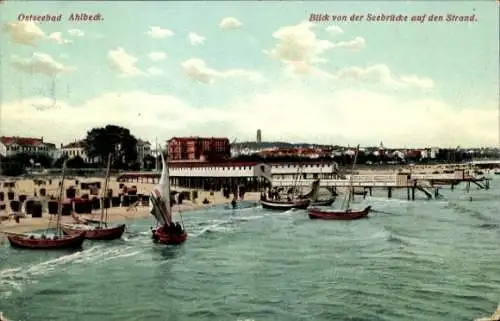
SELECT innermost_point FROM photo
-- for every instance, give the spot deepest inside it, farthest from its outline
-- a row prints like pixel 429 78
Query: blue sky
pixel 341 83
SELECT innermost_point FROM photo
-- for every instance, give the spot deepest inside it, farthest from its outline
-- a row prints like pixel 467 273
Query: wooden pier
pixel 427 184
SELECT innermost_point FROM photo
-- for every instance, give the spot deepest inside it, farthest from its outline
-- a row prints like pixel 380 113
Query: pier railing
pixel 335 183
pixel 390 180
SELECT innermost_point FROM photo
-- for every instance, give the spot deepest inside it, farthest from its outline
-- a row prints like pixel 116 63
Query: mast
pixel 59 207
pixel 166 190
pixel 156 155
pixel 350 177
pixel 104 210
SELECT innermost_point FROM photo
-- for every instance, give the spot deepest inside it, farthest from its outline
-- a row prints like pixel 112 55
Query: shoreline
pixel 117 214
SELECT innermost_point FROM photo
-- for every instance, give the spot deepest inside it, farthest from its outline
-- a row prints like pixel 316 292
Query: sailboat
pixel 286 204
pixel 99 231
pixel 343 214
pixel 58 241
pixel 166 231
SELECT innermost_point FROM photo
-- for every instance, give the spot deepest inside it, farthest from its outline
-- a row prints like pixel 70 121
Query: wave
pixel 14 278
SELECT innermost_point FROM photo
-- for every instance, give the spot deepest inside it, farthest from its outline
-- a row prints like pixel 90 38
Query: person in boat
pixel 178 228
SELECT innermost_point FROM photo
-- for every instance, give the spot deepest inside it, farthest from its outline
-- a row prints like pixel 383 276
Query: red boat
pixel 95 233
pixel 167 232
pixel 349 214
pixel 56 242
pixel 73 241
pixel 162 236
pixel 101 231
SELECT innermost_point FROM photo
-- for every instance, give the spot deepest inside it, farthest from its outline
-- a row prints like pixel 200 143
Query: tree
pixel 149 162
pixel 11 166
pixel 112 139
pixel 59 162
pixel 76 162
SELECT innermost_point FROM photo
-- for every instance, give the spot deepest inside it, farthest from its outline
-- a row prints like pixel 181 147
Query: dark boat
pixel 349 214
pixel 73 241
pixel 168 232
pixel 301 204
pixel 327 202
pixel 58 241
pixel 163 236
pixel 95 233
pixel 101 231
pixel 346 213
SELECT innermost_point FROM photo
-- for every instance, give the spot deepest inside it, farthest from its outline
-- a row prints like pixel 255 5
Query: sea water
pixel 418 260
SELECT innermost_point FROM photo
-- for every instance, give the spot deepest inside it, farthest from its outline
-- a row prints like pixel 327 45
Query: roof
pixel 22 141
pixel 143 142
pixel 232 163
pixel 197 138
pixel 77 144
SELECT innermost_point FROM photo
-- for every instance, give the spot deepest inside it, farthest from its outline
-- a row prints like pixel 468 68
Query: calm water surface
pixel 423 260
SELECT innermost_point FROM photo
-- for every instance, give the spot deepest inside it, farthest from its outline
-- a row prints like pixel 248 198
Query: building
pixel 143 150
pixel 198 149
pixel 11 145
pixel 77 148
pixel 259 136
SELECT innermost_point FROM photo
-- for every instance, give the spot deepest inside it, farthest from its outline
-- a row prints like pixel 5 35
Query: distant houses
pixel 12 145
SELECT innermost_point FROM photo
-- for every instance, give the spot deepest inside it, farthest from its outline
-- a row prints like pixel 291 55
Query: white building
pixel 76 148
pixel 11 145
pixel 143 150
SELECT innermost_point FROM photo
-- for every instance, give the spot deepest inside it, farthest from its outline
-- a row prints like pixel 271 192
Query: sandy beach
pixel 29 188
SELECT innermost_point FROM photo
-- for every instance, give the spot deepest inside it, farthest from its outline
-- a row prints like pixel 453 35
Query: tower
pixel 259 136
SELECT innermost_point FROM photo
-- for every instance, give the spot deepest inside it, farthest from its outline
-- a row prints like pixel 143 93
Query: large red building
pixel 198 148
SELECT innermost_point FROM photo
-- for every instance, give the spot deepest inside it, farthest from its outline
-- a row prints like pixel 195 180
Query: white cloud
pixel 340 117
pixel 159 33
pixel 196 39
pixel 230 23
pixel 157 56
pixel 26 33
pixel 381 74
pixel 299 45
pixel 356 44
pixel 422 82
pixel 76 32
pixel 123 63
pixel 199 71
pixel 57 38
pixel 154 71
pixel 39 63
pixel 334 30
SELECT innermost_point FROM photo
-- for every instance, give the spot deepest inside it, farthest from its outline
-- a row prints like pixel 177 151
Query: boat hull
pixel 104 234
pixel 285 206
pixel 74 241
pixel 315 213
pixel 168 238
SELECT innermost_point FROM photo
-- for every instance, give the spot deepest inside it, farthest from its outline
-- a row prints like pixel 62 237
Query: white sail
pixel 159 199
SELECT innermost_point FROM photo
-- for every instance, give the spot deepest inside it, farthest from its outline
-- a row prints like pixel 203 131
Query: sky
pixel 167 69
